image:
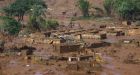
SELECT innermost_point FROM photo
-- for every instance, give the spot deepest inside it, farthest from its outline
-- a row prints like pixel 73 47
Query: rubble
pixel 126 23
pixel 130 42
pixel 133 31
pixel 131 59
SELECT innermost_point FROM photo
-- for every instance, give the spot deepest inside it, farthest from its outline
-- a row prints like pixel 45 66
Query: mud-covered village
pixel 69 37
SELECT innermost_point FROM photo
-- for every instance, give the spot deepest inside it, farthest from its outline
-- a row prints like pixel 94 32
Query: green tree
pixel 20 7
pixel 34 8
pixel 10 25
pixel 84 7
pixel 37 16
pixel 126 9
pixel 37 2
pixel 108 5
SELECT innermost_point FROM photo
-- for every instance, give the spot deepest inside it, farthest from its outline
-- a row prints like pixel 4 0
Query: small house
pixel 66 48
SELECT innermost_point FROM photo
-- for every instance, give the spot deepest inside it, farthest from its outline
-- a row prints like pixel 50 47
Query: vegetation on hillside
pixel 126 9
pixel 51 24
pixel 9 25
pixel 20 7
pixel 84 7
pixel 108 5
pixel 35 9
pixel 37 16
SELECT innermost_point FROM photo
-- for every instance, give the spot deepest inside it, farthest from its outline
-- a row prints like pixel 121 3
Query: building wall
pixel 67 48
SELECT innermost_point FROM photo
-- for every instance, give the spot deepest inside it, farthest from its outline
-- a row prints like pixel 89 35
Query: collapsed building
pixel 130 42
pixel 133 31
pixel 66 44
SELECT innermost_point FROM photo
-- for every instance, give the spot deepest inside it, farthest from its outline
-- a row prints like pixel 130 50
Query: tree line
pixel 35 9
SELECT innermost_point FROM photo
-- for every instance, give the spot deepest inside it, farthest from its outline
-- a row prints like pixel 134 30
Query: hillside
pixel 56 8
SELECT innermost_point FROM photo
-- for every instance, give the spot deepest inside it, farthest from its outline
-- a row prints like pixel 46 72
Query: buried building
pixel 66 44
pixel 65 48
pixel 85 63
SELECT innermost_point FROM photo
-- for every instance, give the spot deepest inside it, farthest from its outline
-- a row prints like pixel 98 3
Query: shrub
pixel 20 7
pixel 10 25
pixel 37 17
pixel 126 9
pixel 84 7
pixel 51 24
pixel 108 5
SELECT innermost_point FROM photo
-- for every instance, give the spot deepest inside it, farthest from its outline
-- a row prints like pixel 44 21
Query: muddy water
pixel 109 68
